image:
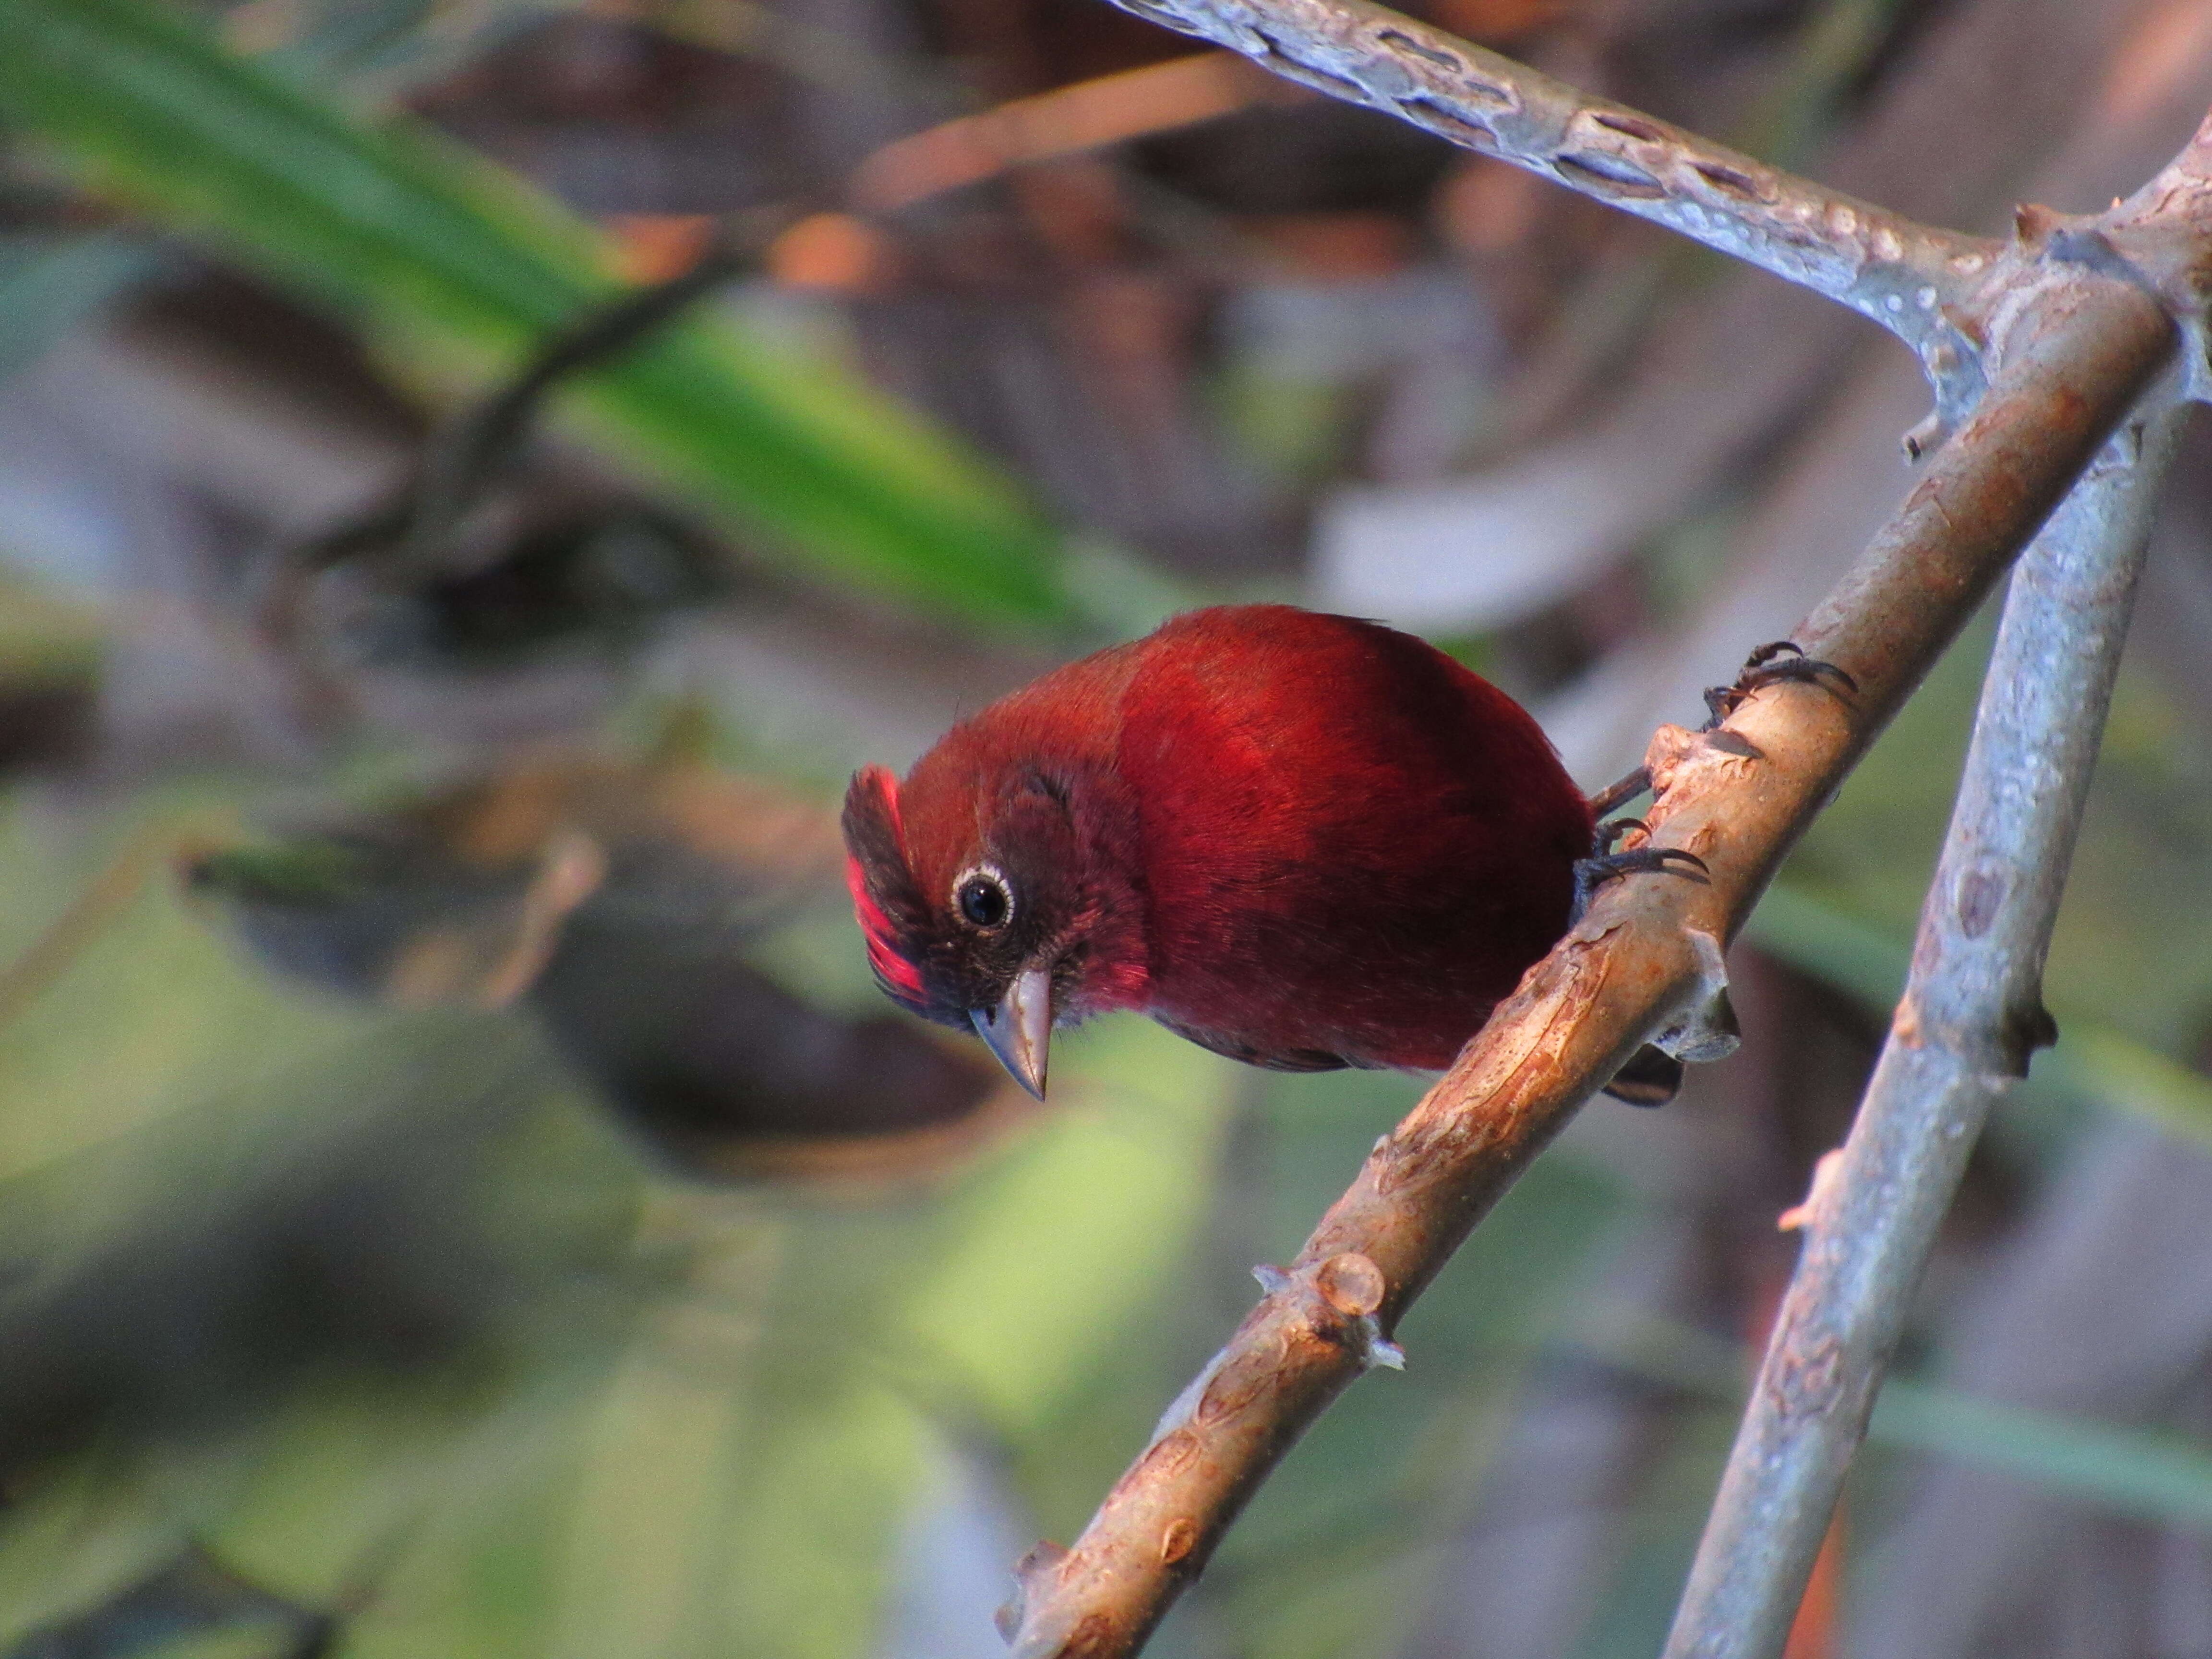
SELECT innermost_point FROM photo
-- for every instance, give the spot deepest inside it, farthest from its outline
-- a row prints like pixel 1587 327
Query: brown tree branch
pixel 1973 1009
pixel 2074 337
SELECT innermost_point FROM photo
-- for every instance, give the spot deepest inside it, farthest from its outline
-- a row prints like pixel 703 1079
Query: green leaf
pixel 1856 958
pixel 73 1536
pixel 738 1480
pixel 443 250
pixel 47 287
pixel 144 1010
pixel 2112 1068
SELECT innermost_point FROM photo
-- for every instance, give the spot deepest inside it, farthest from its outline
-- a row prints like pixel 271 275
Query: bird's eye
pixel 983 898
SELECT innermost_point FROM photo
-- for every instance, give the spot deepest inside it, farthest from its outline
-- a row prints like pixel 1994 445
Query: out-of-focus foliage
pixel 2094 1062
pixel 460 260
pixel 465 1194
pixel 543 1409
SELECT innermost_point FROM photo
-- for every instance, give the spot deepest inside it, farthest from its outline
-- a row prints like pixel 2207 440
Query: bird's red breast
pixel 1303 840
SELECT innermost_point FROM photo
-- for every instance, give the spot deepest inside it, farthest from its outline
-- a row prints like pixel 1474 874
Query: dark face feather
pixel 892 916
pixel 951 920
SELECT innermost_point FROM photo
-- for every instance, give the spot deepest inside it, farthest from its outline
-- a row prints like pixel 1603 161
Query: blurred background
pixel 475 478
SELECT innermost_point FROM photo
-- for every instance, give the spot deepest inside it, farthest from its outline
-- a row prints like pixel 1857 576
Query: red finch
pixel 1304 841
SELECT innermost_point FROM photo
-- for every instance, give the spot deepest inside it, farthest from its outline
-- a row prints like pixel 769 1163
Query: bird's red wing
pixel 1294 1060
pixel 1352 845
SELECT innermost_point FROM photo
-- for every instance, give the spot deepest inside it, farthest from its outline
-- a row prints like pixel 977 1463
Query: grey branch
pixel 2160 234
pixel 1923 284
pixel 1971 1015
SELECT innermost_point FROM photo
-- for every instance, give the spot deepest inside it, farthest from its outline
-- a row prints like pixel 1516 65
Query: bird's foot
pixel 1770 664
pixel 1610 830
pixel 1604 865
pixel 1650 1078
pixel 1614 796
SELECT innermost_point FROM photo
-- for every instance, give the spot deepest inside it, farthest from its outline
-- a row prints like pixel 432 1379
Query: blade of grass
pixel 421 239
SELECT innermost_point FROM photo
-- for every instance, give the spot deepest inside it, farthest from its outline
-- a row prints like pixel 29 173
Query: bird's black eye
pixel 983 898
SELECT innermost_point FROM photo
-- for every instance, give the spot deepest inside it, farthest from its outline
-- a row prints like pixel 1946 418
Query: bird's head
pixel 974 886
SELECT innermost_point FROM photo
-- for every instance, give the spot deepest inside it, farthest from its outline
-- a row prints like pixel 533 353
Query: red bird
pixel 1304 841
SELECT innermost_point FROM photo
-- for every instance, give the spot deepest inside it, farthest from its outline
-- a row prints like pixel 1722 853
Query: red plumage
pixel 1301 840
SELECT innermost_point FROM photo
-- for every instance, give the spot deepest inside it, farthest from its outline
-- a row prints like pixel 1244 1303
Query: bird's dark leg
pixel 1651 1077
pixel 1770 664
pixel 1604 865
pixel 1614 796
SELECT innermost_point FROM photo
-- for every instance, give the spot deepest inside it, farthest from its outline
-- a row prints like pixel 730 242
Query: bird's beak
pixel 1019 1029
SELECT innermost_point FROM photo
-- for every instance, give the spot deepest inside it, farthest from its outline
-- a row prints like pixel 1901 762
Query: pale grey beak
pixel 1019 1029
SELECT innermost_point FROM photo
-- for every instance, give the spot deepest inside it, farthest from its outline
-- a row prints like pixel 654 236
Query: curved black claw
pixel 1611 831
pixel 1770 664
pixel 1592 873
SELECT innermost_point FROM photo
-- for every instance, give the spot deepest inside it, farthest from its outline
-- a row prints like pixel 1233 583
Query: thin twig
pixel 2077 346
pixel 1925 285
pixel 462 458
